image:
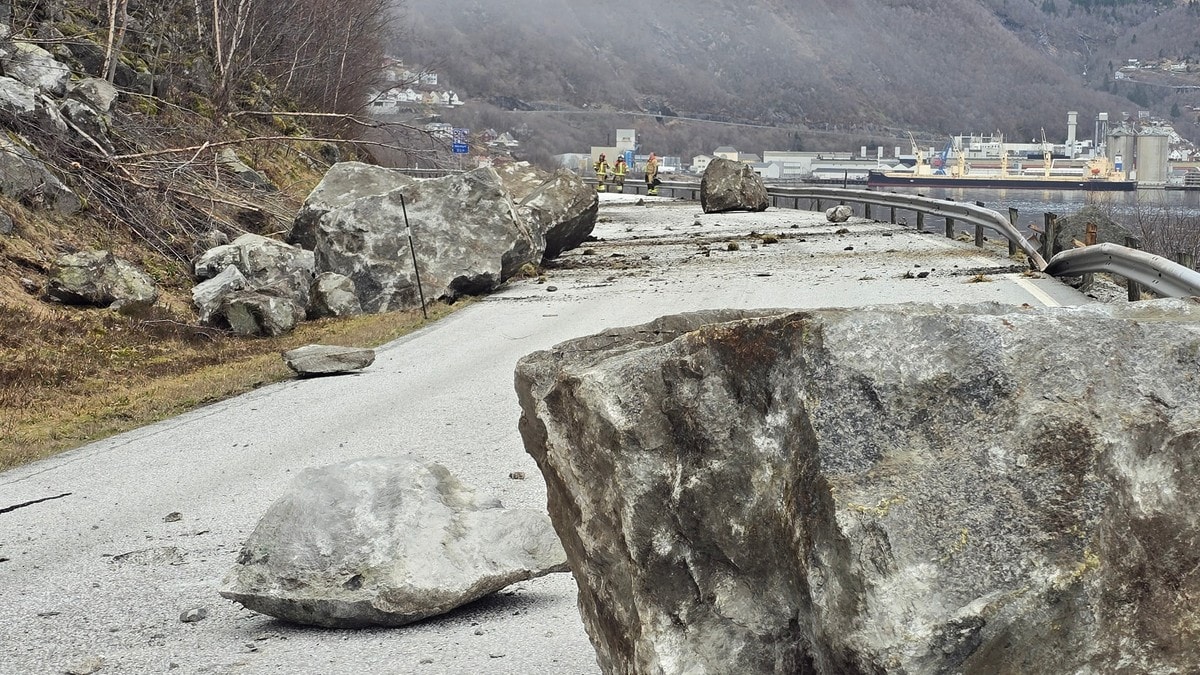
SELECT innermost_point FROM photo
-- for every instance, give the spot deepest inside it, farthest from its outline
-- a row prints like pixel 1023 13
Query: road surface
pixel 99 577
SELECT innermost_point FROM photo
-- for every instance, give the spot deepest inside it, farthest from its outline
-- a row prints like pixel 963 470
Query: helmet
pixel 602 155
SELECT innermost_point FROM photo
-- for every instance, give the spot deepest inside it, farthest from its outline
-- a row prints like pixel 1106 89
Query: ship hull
pixel 880 179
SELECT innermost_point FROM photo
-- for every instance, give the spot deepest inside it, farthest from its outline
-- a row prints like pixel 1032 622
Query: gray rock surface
pixel 22 105
pixel 838 214
pixel 333 295
pixel 732 186
pixel 25 178
pixel 561 210
pixel 385 541
pixel 208 295
pixel 273 274
pixel 341 186
pixel 35 67
pixel 98 278
pixel 468 238
pixel 228 159
pixel 914 489
pixel 250 312
pixel 97 93
pixel 327 359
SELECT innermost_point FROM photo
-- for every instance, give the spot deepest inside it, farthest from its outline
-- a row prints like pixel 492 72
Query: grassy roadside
pixel 70 376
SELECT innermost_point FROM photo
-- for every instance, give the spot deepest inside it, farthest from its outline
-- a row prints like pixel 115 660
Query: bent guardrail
pixel 1153 272
pixel 975 215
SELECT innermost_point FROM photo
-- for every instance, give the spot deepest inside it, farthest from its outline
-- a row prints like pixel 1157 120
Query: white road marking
pixel 1038 294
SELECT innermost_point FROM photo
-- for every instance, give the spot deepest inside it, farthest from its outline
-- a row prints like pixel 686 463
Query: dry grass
pixel 69 376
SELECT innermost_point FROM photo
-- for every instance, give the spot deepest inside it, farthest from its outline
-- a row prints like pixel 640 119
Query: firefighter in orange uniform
pixel 619 174
pixel 601 167
pixel 652 175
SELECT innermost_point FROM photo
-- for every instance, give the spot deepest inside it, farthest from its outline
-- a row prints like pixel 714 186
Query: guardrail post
pixel 1049 234
pixel 1133 288
pixel 867 210
pixel 1187 260
pixel 979 235
pixel 920 221
pixel 796 204
pixel 949 228
pixel 819 205
pixel 1012 220
pixel 893 215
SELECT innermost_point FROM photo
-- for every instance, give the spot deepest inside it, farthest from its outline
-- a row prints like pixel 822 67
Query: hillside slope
pixel 878 67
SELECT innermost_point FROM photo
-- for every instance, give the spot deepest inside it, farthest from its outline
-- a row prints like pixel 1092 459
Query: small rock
pixel 646 257
pixel 6 224
pixel 842 230
pixel 762 274
pixel 496 656
pixel 517 475
pixel 640 202
pixel 194 614
pixel 426 661
pixel 848 248
pixel 30 285
pixel 173 517
pixel 87 666
pixel 922 275
pixel 551 289
pixel 327 359
pixel 479 631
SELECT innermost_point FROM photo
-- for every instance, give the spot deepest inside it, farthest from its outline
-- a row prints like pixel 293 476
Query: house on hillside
pixel 700 163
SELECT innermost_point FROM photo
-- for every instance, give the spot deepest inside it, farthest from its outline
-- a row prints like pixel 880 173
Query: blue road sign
pixel 459 148
pixel 460 136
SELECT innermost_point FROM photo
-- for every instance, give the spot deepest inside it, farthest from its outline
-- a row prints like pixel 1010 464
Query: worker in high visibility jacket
pixel 618 174
pixel 652 175
pixel 601 167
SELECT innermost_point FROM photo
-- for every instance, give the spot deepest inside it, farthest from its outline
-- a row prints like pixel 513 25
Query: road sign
pixel 460 137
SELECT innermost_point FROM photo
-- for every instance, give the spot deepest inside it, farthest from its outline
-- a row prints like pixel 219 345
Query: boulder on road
pixel 915 489
pixel 838 214
pixel 327 359
pixel 385 541
pixel 562 210
pixel 732 186
pixel 101 279
pixel 468 238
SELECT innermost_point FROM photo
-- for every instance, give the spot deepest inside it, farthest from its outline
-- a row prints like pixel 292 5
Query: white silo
pixel 1152 158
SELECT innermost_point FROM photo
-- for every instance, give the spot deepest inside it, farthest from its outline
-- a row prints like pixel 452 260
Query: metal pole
pixel 949 228
pixel 920 221
pixel 413 250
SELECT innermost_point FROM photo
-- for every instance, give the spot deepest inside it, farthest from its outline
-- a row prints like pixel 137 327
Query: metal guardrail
pixel 969 213
pixel 1151 271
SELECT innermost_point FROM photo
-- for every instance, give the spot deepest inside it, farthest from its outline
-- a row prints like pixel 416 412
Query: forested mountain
pixel 875 68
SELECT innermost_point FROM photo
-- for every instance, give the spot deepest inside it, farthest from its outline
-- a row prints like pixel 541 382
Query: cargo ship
pixel 1099 175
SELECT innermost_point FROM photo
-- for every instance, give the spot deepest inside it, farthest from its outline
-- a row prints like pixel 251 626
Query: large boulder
pixel 273 275
pixel 562 210
pixel 247 175
pixel 732 186
pixel 385 541
pixel 468 238
pixel 101 279
pixel 917 489
pixel 344 184
pixel 25 178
